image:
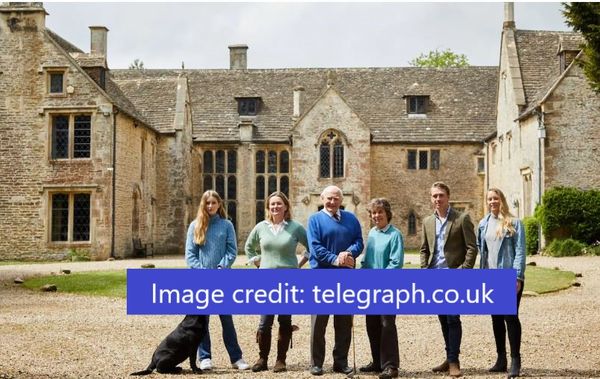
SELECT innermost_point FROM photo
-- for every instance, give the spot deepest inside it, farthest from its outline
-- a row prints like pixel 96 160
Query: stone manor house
pixel 93 158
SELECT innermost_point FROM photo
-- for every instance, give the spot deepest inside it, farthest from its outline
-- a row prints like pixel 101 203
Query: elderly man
pixel 335 241
pixel 448 242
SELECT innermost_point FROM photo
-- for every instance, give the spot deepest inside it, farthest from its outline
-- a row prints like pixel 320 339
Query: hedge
pixel 568 212
pixel 532 242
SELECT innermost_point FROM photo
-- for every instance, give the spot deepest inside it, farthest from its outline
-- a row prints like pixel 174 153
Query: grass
pixel 544 280
pixel 114 283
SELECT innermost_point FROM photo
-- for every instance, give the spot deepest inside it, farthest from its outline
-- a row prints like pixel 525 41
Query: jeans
pixel 511 324
pixel 229 338
pixel 383 338
pixel 452 331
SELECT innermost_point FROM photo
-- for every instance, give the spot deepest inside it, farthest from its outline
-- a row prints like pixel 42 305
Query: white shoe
pixel 206 364
pixel 241 364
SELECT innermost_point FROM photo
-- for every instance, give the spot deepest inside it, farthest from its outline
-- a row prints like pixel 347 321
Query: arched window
pixel 412 223
pixel 331 156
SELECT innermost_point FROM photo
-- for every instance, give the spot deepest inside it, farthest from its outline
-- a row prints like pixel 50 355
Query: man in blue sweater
pixel 335 241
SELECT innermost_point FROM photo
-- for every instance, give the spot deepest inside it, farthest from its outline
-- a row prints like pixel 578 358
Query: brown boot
pixel 454 369
pixel 444 367
pixel 264 347
pixel 283 343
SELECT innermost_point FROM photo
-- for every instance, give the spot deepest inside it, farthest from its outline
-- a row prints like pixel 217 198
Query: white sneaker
pixel 241 364
pixel 206 364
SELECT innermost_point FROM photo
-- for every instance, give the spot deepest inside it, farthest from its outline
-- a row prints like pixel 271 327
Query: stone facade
pixel 546 132
pixel 374 132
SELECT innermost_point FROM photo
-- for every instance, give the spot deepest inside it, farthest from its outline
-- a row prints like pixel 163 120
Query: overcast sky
pixel 282 35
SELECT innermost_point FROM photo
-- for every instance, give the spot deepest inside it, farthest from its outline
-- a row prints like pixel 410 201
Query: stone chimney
pixel 98 40
pixel 298 101
pixel 237 57
pixel 509 15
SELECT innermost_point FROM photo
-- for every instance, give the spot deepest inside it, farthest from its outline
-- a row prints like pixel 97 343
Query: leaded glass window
pixel 276 163
pixel 56 82
pixel 70 217
pixel 60 137
pixel 331 156
pixel 71 136
pixel 219 169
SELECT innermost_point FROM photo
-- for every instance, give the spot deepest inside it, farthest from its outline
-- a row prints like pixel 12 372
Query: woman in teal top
pixel 272 244
pixel 385 250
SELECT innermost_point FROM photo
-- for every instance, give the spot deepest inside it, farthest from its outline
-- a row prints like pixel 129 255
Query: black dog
pixel 180 344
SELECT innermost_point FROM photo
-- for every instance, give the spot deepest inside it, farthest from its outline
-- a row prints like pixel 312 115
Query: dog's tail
pixel 147 371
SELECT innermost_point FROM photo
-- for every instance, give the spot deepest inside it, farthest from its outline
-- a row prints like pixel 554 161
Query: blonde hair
pixel 504 215
pixel 203 218
pixel 288 213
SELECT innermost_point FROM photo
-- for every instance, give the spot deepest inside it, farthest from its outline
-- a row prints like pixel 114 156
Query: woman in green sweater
pixel 272 244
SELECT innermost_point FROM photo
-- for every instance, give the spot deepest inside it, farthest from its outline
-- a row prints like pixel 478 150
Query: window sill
pixel 70 160
pixel 57 94
pixel 417 115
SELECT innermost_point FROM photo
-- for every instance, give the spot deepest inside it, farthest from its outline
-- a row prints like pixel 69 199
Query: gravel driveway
pixel 57 335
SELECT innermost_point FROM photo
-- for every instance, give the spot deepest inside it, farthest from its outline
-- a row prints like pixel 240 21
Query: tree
pixel 137 64
pixel 585 18
pixel 441 59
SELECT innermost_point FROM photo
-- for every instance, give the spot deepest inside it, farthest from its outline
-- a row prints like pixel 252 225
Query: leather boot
pixel 441 368
pixel 500 365
pixel 454 369
pixel 515 367
pixel 264 347
pixel 283 343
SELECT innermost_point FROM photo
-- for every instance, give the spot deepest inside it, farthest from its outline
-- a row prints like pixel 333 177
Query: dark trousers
pixel 383 338
pixel 266 322
pixel 511 324
pixel 452 331
pixel 342 325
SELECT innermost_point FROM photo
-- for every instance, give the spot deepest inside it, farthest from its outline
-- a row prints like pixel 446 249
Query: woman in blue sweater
pixel 501 242
pixel 211 243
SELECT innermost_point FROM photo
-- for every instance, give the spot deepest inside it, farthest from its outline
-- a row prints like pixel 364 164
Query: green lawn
pixel 114 283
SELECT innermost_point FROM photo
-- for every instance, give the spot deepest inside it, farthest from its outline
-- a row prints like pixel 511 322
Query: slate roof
pixel 66 45
pixel 540 65
pixel 154 93
pixel 463 100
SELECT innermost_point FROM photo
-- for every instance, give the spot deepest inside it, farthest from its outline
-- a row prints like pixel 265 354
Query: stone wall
pixel 408 190
pixel 28 174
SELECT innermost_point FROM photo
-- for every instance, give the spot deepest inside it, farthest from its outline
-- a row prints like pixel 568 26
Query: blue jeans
pixel 229 338
pixel 452 331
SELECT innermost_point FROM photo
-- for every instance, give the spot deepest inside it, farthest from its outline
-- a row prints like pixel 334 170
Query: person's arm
pixel 357 246
pixel 252 246
pixel 192 250
pixel 424 250
pixel 317 249
pixel 303 240
pixel 396 251
pixel 519 246
pixel 231 247
pixel 468 231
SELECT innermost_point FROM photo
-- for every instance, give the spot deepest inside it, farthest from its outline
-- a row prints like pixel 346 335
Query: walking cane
pixel 353 373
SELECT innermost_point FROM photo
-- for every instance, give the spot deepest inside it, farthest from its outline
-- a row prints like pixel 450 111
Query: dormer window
pixel 417 105
pixel 565 58
pixel 248 106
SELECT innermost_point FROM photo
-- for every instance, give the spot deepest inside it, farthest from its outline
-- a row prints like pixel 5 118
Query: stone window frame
pixel 271 175
pixel 50 72
pixel 480 164
pixel 333 143
pixel 228 174
pixel 411 223
pixel 71 114
pixel 416 163
pixel 71 192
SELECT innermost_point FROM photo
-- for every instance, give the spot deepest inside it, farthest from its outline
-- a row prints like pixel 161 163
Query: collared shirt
pixel 338 213
pixel 276 228
pixel 439 260
pixel 385 228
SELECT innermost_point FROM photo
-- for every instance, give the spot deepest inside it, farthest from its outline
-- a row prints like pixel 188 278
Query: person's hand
pixel 519 284
pixel 346 259
pixel 257 263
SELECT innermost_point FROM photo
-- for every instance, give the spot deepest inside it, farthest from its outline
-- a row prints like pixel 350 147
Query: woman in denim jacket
pixel 501 242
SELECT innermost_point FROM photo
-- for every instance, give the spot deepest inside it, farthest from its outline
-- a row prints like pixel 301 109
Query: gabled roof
pixel 112 91
pixel 539 63
pixel 462 100
pixel 154 92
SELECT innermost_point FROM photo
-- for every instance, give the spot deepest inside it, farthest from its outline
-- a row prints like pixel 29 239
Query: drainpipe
pixel 541 137
pixel 114 180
